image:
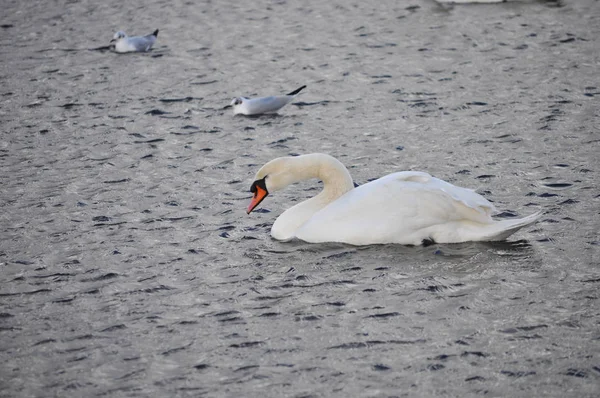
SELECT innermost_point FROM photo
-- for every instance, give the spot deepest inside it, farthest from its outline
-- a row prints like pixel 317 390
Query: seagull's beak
pixel 259 195
pixel 113 40
pixel 228 106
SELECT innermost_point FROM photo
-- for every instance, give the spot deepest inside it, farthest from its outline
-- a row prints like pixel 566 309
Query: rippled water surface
pixel 130 268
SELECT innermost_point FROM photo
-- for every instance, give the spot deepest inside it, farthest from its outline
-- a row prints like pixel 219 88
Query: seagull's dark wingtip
pixel 296 91
pixel 155 33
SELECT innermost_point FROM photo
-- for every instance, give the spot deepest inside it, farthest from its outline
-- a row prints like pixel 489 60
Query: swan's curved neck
pixel 336 178
pixel 286 171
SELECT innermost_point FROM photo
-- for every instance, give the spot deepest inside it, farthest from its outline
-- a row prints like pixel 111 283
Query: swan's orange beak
pixel 260 192
pixel 259 195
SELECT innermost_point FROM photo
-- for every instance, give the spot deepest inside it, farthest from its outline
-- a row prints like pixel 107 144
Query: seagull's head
pixel 235 103
pixel 118 36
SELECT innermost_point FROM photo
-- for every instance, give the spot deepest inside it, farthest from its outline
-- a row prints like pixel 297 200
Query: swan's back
pixel 402 207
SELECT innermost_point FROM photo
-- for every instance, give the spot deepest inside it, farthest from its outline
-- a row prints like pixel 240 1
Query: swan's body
pixel 407 207
pixel 262 105
pixel 126 44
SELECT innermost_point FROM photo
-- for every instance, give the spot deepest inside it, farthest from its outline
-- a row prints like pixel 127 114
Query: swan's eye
pixel 259 184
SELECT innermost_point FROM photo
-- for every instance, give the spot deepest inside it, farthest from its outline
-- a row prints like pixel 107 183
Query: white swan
pixel 408 207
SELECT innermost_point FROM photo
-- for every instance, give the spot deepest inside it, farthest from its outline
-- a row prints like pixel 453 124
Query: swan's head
pixel 273 176
pixel 281 172
pixel 259 191
pixel 118 36
pixel 236 104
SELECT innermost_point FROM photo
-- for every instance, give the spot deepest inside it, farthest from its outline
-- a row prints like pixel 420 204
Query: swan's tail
pixel 501 230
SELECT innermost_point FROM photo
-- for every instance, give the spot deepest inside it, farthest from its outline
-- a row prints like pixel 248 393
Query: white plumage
pixel 407 207
pixel 262 105
pixel 126 44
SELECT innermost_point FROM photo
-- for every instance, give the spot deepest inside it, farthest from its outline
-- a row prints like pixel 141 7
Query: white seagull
pixel 258 106
pixel 407 207
pixel 126 44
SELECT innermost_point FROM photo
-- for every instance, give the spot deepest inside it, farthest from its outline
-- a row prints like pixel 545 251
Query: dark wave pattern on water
pixel 128 264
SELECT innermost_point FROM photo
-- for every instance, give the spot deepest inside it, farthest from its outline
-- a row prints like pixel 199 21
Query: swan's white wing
pixel 256 106
pixel 398 208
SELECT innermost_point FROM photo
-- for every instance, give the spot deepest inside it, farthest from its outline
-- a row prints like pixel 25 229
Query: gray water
pixel 130 268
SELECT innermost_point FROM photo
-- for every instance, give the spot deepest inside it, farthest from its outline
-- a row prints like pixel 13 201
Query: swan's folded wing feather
pixel 469 198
